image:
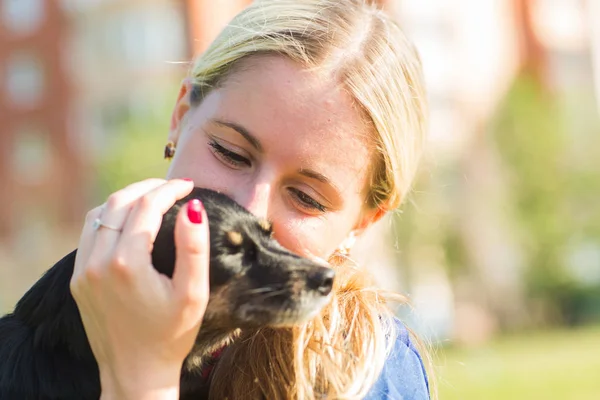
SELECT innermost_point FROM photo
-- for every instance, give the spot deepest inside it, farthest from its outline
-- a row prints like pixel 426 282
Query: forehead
pixel 304 115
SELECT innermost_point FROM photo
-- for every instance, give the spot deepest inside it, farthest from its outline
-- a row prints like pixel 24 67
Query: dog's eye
pixel 250 252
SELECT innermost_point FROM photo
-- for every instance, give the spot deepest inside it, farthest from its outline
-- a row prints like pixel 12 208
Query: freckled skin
pixel 302 120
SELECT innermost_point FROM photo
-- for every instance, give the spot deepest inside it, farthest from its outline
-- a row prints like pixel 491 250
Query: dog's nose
pixel 321 280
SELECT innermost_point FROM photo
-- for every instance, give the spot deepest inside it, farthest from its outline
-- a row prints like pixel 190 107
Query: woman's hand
pixel 141 324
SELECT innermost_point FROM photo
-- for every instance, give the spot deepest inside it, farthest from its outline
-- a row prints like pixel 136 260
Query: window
pixel 31 155
pixel 33 229
pixel 23 17
pixel 152 35
pixel 559 24
pixel 24 79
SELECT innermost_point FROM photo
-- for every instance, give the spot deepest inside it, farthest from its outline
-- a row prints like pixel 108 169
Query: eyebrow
pixel 318 176
pixel 242 131
pixel 256 144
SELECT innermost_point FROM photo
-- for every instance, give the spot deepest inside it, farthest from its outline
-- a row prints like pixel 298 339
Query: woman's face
pixel 285 143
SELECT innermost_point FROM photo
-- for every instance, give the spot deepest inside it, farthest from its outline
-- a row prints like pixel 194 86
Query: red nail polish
pixel 195 209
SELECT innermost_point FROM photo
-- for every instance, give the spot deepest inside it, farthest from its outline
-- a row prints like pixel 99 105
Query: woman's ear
pixel 182 106
pixel 368 218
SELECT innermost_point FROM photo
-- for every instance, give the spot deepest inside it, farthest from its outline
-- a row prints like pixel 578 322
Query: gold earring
pixel 169 150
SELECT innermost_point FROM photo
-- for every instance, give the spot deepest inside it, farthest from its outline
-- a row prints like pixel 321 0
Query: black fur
pixel 44 352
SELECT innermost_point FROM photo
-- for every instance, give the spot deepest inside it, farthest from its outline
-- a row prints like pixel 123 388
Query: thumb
pixel 190 278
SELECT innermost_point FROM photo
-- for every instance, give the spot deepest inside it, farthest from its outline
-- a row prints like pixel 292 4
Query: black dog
pixel 254 282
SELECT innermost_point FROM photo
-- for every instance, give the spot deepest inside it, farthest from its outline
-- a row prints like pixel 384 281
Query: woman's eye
pixel 228 156
pixel 305 201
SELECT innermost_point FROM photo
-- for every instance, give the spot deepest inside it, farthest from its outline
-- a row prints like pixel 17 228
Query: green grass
pixel 561 365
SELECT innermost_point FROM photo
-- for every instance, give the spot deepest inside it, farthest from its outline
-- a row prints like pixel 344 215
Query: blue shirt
pixel 403 376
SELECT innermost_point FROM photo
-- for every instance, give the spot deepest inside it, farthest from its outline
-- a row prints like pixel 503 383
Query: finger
pixel 86 240
pixel 191 275
pixel 114 213
pixel 144 221
pixel 103 242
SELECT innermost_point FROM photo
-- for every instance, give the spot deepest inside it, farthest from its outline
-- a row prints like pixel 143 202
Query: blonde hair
pixel 340 353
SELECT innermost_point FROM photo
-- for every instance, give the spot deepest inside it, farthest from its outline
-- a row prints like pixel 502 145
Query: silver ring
pixel 97 224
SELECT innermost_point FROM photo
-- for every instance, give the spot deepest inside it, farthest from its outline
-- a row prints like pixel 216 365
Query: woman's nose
pixel 255 199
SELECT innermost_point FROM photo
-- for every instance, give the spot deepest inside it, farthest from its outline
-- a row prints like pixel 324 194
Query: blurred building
pixel 125 56
pixel 73 70
pixel 41 173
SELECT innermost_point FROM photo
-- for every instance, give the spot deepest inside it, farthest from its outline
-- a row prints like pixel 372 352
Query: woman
pixel 310 113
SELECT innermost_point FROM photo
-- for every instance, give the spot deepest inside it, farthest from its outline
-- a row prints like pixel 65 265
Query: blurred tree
pixel 135 151
pixel 511 212
pixel 547 189
pixel 528 132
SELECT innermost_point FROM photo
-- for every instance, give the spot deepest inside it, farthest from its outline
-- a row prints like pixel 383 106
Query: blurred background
pixel 498 247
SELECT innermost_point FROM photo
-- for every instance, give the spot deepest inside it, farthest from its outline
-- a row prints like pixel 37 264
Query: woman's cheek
pixel 305 238
pixel 206 171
